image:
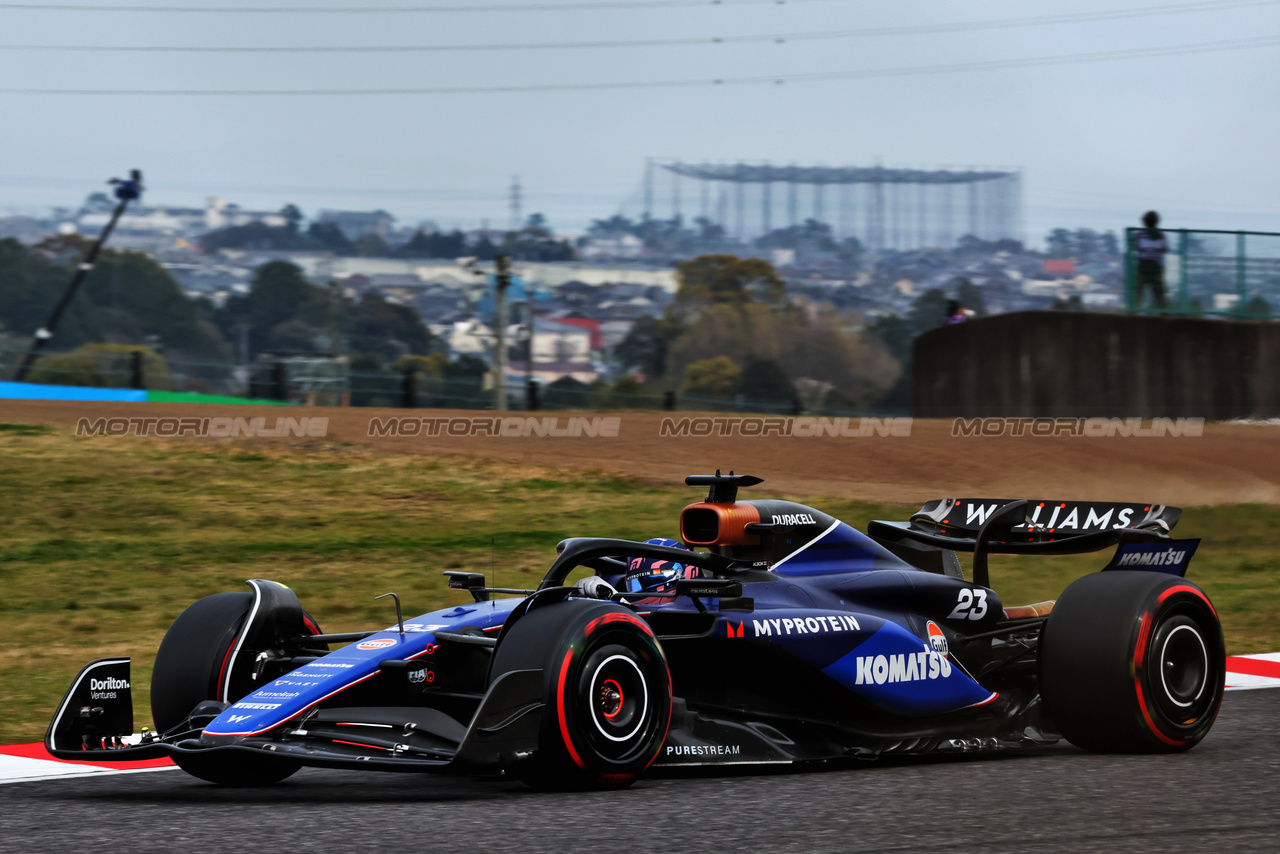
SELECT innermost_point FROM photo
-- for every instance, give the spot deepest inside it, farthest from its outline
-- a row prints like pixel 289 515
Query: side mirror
pixel 472 582
pixel 701 588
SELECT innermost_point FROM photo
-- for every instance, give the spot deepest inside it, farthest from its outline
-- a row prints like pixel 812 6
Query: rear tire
pixel 1132 662
pixel 189 670
pixel 607 692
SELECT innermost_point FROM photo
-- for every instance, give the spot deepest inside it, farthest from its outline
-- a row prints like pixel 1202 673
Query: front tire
pixel 607 691
pixel 1133 662
pixel 190 669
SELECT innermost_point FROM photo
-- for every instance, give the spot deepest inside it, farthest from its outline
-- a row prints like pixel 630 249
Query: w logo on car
pixel 734 633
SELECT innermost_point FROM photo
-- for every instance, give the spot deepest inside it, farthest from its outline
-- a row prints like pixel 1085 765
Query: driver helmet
pixel 648 574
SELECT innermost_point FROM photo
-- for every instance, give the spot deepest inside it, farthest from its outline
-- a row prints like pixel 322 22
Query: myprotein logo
pixel 219 428
pixel 904 667
pixel 804 625
pixel 801 427
pixel 510 427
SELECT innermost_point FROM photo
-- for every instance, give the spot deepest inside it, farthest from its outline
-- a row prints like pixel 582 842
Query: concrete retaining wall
pixel 1083 364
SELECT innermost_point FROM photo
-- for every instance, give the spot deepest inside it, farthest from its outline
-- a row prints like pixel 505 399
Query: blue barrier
pixel 35 391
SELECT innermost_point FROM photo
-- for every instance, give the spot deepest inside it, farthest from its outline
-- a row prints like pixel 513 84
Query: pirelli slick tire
pixel 607 691
pixel 1132 662
pixel 190 669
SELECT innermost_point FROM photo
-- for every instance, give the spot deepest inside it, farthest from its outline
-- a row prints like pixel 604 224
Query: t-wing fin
pixel 724 487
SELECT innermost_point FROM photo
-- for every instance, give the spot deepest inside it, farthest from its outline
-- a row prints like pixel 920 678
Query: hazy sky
pixel 1195 135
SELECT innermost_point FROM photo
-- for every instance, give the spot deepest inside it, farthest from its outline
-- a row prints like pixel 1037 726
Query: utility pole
pixel 516 221
pixel 126 191
pixel 530 389
pixel 501 281
pixel 648 190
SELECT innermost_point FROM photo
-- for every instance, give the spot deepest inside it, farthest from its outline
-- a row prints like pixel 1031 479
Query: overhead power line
pixel 778 38
pixel 778 79
pixel 580 6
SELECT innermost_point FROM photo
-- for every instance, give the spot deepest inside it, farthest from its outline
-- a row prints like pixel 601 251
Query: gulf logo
pixel 937 639
pixel 376 643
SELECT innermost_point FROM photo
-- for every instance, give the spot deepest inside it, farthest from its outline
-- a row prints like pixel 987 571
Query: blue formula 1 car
pixel 792 638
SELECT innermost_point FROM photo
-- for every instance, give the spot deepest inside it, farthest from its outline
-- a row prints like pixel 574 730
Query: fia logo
pixel 419 676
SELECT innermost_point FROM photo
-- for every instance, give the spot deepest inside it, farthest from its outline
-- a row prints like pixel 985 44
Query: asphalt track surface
pixel 1220 796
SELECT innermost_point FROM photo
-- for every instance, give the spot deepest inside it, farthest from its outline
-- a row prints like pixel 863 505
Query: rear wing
pixel 1001 526
pixel 1045 520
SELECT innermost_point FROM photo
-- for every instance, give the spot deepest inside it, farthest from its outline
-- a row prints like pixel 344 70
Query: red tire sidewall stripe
pixel 588 630
pixel 561 712
pixel 1140 651
pixel 666 728
pixel 1186 588
pixel 1151 725
pixel 1139 654
pixel 222 671
pixel 614 617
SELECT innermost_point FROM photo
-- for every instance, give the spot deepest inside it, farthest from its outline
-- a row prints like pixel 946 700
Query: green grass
pixel 103 541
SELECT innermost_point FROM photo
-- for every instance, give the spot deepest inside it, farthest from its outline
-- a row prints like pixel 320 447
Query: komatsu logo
pixel 1169 557
pixel 805 625
pixel 904 667
pixel 793 519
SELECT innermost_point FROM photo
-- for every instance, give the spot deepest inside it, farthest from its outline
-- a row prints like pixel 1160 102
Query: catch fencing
pixel 328 381
pixel 1216 273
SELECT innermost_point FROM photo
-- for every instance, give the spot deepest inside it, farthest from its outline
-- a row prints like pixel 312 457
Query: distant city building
pixel 218 213
pixel 1060 268
pixel 613 246
pixel 356 224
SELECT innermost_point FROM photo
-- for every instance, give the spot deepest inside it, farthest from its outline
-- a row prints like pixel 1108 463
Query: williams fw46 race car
pixel 791 638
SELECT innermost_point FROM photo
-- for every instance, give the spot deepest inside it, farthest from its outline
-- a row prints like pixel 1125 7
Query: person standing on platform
pixel 1151 246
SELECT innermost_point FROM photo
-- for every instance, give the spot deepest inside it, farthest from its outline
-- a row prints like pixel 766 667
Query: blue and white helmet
pixel 645 574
